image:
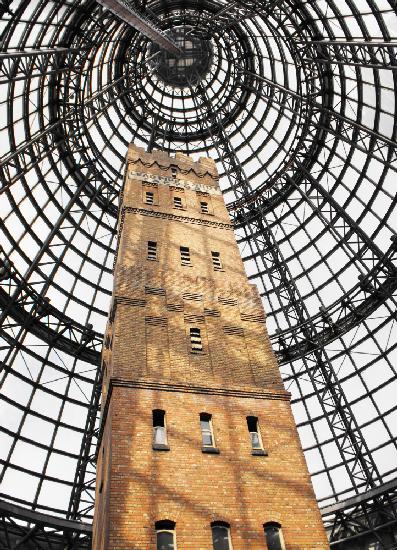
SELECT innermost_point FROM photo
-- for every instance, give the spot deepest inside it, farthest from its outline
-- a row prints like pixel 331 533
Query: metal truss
pixel 300 116
pixel 30 63
pixel 371 517
pixel 21 528
pixel 371 54
pixel 142 23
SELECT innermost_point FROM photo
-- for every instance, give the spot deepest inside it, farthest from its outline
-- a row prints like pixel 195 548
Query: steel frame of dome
pixel 299 111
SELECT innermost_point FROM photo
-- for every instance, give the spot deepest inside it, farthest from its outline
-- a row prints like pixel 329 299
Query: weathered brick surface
pixel 148 364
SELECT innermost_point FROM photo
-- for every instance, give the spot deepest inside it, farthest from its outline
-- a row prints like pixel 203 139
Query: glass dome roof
pixel 295 101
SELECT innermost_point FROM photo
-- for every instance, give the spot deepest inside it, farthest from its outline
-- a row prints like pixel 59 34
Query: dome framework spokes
pixel 296 103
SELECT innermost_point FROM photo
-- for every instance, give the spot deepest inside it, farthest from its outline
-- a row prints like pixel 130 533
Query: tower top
pixel 204 166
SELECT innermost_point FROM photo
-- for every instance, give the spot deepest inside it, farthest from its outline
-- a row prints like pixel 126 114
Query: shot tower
pixel 198 445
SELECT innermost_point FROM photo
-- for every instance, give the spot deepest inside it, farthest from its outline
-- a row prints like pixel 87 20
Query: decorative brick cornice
pixel 174 217
pixel 172 182
pixel 254 393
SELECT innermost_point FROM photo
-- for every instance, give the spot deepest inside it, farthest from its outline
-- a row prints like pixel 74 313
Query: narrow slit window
pixel 207 434
pixel 274 536
pixel 185 255
pixel 174 172
pixel 195 339
pixel 204 207
pixel 149 197
pixel 152 250
pixel 216 260
pixel 178 202
pixel 165 535
pixel 159 428
pixel 255 436
pixel 221 539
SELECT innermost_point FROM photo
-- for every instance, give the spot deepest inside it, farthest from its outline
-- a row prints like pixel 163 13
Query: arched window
pixel 274 536
pixel 221 536
pixel 165 535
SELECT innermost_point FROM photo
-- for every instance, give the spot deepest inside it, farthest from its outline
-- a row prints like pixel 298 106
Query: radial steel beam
pixel 141 23
pixel 343 127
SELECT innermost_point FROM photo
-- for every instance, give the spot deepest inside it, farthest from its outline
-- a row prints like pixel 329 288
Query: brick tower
pixel 198 447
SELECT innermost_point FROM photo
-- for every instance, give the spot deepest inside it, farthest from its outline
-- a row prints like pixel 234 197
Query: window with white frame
pixel 207 434
pixel 165 535
pixel 221 539
pixel 274 536
pixel 254 432
pixel 159 428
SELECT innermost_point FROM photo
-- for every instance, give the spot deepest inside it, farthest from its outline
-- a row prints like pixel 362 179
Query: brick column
pixel 150 365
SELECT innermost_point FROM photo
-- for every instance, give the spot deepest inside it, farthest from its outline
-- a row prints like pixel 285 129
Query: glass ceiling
pixel 299 102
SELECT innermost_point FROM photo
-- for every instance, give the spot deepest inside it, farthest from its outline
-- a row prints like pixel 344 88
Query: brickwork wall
pixel 149 364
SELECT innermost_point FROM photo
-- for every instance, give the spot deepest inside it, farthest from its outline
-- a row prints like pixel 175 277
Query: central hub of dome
pixel 188 68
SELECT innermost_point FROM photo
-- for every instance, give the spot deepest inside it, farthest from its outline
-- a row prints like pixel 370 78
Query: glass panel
pixel 165 540
pixel 220 538
pixel 273 538
pixel 159 435
pixel 206 433
pixel 207 439
pixel 255 441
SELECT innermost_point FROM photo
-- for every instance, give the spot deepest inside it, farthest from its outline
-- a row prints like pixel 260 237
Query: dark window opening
pixel 185 255
pixel 149 197
pixel 174 171
pixel 274 537
pixel 207 435
pixel 159 428
pixel 152 250
pixel 204 207
pixel 178 202
pixel 195 339
pixel 221 536
pixel 216 260
pixel 255 436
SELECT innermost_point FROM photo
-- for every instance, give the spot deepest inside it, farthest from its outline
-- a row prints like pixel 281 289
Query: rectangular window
pixel 207 435
pixel 204 207
pixel 255 436
pixel 185 255
pixel 216 260
pixel 174 171
pixel 149 197
pixel 195 339
pixel 159 429
pixel 178 202
pixel 152 250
